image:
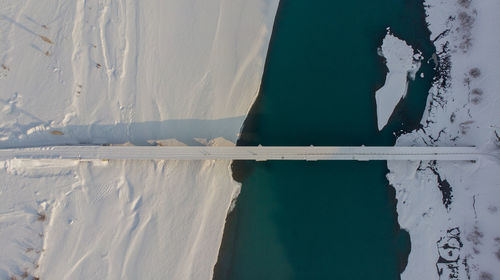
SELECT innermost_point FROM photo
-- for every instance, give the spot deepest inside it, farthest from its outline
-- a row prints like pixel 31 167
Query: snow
pixel 149 72
pixel 401 63
pixel 454 207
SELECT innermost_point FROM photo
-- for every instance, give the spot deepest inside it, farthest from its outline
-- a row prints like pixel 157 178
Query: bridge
pixel 258 153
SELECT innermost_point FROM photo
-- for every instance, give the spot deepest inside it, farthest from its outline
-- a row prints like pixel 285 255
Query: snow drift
pixel 115 72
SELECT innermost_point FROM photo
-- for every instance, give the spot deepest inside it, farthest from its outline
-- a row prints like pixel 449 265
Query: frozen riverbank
pixel 451 209
pixel 118 72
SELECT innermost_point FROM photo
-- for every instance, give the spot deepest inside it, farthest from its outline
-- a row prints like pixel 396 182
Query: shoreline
pixel 239 171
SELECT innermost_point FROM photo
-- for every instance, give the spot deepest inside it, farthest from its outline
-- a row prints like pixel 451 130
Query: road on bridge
pixel 259 153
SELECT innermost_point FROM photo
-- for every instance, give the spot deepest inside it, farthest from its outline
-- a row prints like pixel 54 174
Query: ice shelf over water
pixel 402 63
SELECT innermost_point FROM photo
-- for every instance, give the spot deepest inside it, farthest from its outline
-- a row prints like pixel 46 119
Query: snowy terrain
pixel 144 72
pixel 452 209
pixel 403 63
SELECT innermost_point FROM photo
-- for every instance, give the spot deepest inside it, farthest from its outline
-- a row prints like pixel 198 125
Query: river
pixel 324 220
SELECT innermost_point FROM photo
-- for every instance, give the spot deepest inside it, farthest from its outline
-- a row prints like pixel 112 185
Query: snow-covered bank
pixel 402 63
pixel 117 72
pixel 452 209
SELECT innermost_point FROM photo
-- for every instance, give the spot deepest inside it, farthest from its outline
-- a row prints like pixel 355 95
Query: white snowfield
pixel 245 153
pixel 401 64
pixel 452 209
pixel 93 72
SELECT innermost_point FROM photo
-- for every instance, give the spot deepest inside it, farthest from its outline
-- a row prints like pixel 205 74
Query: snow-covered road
pixel 243 153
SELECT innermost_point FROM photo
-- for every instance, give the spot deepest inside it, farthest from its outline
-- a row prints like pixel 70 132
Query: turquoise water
pixel 324 220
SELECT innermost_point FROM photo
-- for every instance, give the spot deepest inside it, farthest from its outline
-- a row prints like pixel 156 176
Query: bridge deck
pixel 242 153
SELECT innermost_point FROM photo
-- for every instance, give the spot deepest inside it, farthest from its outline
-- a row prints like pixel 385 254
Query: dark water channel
pixel 324 220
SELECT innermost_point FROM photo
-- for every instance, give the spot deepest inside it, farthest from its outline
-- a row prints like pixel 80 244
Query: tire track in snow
pixel 104 23
pixel 79 61
pixel 128 75
pixel 104 61
pixel 117 33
